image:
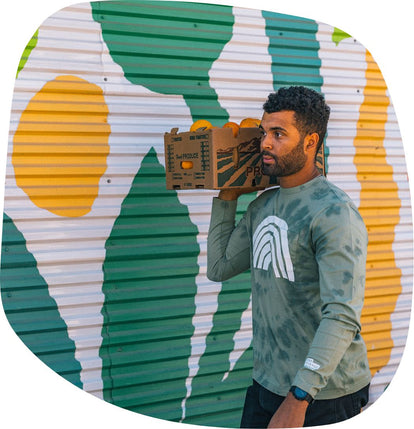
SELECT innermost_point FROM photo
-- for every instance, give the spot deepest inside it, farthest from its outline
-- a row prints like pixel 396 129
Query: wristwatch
pixel 301 395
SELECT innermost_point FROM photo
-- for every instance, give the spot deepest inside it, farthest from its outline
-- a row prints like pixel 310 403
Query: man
pixel 305 244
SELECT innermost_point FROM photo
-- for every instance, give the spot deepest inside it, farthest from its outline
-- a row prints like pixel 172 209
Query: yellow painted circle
pixel 61 145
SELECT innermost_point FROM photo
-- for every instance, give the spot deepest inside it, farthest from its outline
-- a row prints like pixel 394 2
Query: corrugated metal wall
pixel 366 159
pixel 103 270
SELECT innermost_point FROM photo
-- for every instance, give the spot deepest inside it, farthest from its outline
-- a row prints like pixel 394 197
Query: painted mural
pixel 100 257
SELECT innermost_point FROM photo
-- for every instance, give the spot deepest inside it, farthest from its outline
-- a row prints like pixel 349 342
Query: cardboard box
pixel 215 159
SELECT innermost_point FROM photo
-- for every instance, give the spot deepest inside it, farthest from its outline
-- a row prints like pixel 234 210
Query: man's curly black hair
pixel 311 110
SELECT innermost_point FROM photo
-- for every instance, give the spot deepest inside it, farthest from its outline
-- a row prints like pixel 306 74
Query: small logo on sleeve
pixel 311 364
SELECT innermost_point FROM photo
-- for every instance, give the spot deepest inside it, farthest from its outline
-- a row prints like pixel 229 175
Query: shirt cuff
pixel 308 381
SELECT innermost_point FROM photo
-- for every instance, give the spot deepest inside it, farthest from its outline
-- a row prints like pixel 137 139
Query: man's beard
pixel 285 165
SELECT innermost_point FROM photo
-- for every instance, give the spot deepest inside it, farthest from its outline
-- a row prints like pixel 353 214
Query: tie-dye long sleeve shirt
pixel 306 248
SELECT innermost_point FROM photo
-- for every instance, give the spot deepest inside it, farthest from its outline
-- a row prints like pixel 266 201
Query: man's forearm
pixel 291 414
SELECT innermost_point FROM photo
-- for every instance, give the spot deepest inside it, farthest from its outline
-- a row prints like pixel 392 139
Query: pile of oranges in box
pixel 203 124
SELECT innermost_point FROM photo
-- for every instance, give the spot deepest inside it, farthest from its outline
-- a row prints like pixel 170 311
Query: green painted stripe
pixel 169 47
pixel 294 49
pixel 298 47
pixel 149 287
pixel 27 51
pixel 339 35
pixel 29 308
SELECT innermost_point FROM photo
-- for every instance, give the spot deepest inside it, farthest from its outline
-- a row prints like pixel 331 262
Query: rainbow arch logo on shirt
pixel 271 248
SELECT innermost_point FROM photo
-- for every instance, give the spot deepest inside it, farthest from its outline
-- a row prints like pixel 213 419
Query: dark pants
pixel 260 406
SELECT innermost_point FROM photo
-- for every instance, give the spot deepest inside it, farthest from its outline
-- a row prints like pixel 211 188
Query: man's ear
pixel 311 142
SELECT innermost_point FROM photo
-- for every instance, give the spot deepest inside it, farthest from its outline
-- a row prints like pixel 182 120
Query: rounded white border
pixel 31 395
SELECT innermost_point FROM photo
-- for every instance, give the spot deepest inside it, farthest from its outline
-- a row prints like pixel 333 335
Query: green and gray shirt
pixel 306 248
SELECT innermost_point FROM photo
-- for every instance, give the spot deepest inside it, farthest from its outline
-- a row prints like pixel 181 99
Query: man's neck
pixel 303 176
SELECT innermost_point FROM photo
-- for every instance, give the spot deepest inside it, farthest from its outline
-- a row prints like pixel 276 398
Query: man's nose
pixel 265 143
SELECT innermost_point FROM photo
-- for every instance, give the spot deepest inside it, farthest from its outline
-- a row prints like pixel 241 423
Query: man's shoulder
pixel 328 193
pixel 336 206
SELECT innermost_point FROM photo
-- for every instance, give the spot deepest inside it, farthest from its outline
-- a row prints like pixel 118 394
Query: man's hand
pixel 233 194
pixel 291 414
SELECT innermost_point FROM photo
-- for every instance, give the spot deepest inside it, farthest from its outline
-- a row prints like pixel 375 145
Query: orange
pixel 201 123
pixel 186 165
pixel 235 127
pixel 250 123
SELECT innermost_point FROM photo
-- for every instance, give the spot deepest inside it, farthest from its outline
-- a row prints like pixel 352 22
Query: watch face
pixel 299 393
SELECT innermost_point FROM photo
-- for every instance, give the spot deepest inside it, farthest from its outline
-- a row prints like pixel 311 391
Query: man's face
pixel 282 145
